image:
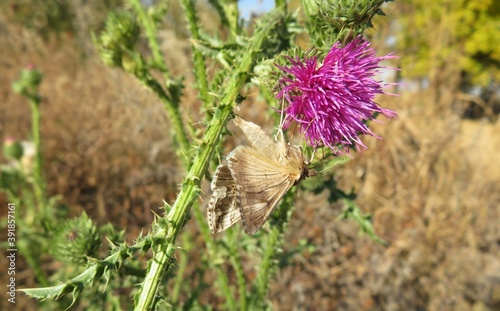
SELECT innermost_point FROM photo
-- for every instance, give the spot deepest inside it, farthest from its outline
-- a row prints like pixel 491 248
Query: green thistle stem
pixel 41 205
pixel 212 249
pixel 199 62
pixel 190 189
pixel 36 133
pixel 150 29
pixel 232 14
pixel 170 101
pixel 33 261
pixel 235 258
pixel 202 83
pixel 171 105
pixel 271 246
pixel 280 3
pixel 182 263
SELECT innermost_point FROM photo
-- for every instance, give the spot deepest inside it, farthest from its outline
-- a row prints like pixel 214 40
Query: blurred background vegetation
pixel 432 184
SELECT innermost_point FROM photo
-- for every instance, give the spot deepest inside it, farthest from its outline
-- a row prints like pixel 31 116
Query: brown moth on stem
pixel 254 181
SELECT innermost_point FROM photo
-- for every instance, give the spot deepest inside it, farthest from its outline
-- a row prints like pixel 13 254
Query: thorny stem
pixel 222 278
pixel 35 132
pixel 171 100
pixel 235 258
pixel 190 189
pixel 271 244
pixel 150 29
pixel 170 103
pixel 199 61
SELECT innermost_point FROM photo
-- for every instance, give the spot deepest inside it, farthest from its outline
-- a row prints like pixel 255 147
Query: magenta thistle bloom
pixel 330 100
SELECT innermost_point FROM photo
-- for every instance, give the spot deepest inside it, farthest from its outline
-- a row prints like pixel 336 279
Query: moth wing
pixel 260 185
pixel 259 139
pixel 222 211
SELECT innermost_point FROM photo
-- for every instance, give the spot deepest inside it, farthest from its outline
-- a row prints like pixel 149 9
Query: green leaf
pixel 74 285
pixel 364 221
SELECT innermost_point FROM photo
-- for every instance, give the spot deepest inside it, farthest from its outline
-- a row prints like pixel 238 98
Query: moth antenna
pixel 282 113
pixel 291 137
pixel 312 157
pixel 278 134
pixel 303 136
pixel 282 123
pixel 310 123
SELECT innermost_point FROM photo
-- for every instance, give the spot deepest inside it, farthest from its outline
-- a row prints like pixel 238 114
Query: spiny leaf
pixel 74 285
pixel 95 270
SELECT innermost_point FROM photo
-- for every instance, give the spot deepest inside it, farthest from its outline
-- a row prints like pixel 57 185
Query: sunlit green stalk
pixel 202 83
pixel 170 103
pixel 222 279
pixel 280 4
pixel 34 263
pixel 35 132
pixel 182 265
pixel 199 62
pixel 150 30
pixel 191 186
pixel 271 246
pixel 41 205
pixel 232 13
pixel 217 5
pixel 171 100
pixel 235 258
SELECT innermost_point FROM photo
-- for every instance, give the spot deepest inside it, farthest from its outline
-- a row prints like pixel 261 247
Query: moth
pixel 255 179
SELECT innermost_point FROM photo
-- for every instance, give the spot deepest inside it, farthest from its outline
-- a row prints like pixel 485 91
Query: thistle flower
pixel 331 100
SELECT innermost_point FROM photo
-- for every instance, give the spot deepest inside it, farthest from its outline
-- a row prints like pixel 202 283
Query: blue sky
pixel 259 6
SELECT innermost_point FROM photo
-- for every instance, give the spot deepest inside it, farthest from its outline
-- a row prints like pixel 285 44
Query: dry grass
pixel 432 185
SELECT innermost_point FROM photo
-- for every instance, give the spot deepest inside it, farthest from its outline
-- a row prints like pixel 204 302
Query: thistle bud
pixel 12 149
pixel 75 240
pixel 28 81
pixel 311 7
pixel 118 38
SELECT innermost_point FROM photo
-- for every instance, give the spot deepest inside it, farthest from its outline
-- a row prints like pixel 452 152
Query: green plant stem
pixel 27 252
pixel 232 14
pixel 191 186
pixel 280 3
pixel 264 273
pixel 271 246
pixel 170 103
pixel 37 172
pixel 235 258
pixel 40 206
pixel 182 265
pixel 222 279
pixel 217 5
pixel 150 29
pixel 199 62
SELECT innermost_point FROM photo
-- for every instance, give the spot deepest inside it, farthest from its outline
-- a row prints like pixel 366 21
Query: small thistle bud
pixel 118 38
pixel 311 7
pixel 331 19
pixel 12 149
pixel 32 76
pixel 263 72
pixel 28 81
pixel 75 240
pixel 129 64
